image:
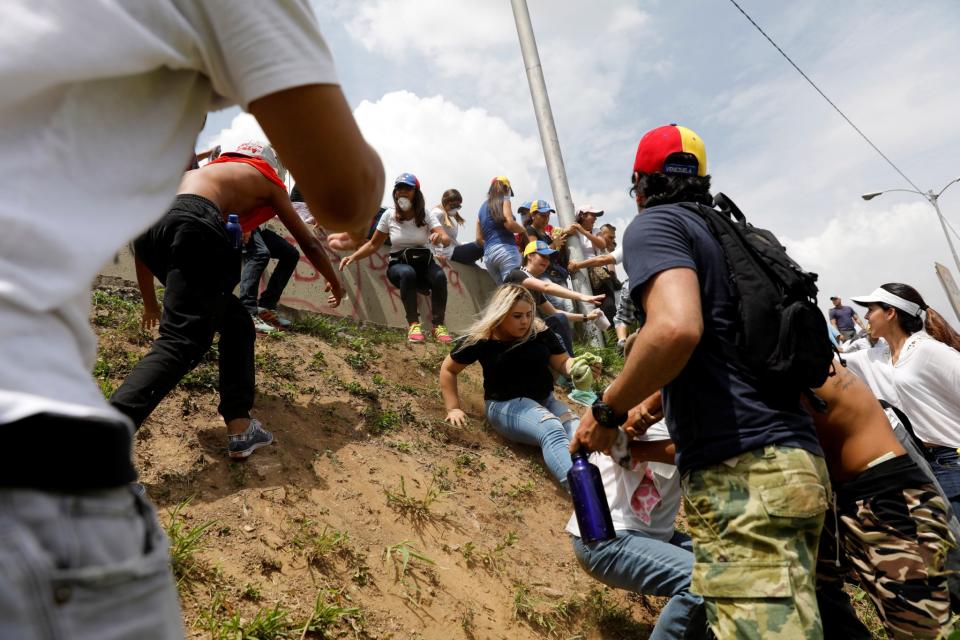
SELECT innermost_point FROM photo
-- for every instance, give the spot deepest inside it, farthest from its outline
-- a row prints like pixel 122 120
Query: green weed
pixel 316 546
pixel 185 542
pixel 400 555
pixel 357 389
pixel 417 510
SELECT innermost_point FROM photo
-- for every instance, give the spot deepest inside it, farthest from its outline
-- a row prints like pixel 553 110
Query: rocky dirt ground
pixel 369 517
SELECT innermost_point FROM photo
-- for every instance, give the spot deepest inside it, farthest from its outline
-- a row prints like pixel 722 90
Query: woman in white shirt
pixel 412 231
pixel 916 368
pixel 448 213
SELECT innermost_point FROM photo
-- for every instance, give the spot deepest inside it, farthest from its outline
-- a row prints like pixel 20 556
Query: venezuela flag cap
pixel 671 149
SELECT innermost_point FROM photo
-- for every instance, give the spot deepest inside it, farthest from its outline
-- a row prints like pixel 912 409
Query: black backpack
pixel 782 339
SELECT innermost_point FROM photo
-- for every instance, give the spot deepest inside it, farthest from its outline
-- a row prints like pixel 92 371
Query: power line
pixel 836 108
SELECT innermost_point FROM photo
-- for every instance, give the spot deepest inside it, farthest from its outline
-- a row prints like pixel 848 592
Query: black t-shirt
pixel 517 276
pixel 713 411
pixel 514 371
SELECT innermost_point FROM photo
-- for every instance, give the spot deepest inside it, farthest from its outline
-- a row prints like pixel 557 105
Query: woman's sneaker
pixel 415 333
pixel 440 334
pixel 243 444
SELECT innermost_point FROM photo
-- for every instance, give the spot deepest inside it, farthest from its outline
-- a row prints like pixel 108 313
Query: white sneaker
pixel 262 327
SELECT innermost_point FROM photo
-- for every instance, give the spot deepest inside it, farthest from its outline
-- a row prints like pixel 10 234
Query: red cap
pixel 671 149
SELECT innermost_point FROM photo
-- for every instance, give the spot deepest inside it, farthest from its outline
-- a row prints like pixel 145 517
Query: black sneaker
pixel 243 444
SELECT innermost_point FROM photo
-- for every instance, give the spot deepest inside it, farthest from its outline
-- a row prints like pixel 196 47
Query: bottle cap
pixel 233 218
pixel 580 454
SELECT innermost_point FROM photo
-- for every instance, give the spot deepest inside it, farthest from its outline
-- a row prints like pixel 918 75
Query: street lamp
pixel 932 198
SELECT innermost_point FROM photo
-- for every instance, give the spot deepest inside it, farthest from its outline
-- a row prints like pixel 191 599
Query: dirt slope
pixel 369 517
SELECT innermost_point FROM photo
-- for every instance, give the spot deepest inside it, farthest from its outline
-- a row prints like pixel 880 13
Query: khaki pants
pixel 755 521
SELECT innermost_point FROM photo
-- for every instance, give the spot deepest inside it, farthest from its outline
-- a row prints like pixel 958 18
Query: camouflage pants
pixel 894 537
pixel 755 520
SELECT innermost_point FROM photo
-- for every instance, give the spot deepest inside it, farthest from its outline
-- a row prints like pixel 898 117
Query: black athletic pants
pixel 432 279
pixel 189 252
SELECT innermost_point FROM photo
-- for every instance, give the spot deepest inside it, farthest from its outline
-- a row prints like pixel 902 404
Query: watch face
pixel 603 414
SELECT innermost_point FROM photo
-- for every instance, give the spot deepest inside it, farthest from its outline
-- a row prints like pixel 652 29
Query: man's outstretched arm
pixel 314 133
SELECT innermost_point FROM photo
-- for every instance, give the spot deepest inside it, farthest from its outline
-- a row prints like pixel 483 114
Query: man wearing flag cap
pixel 754 478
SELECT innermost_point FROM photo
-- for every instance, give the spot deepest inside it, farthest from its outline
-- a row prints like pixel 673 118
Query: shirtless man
pixel 892 520
pixel 190 252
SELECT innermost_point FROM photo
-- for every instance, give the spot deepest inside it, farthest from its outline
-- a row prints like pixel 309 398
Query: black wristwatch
pixel 606 416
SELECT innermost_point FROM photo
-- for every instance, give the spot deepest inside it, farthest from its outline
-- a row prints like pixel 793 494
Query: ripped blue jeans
pixel 548 424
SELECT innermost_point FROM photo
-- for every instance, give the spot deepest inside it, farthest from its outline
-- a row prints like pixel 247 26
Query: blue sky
pixel 439 89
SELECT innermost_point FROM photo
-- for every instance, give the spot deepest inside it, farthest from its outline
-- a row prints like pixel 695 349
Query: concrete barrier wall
pixel 369 295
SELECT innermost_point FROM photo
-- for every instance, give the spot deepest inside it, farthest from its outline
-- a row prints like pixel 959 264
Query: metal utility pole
pixel 551 150
pixel 933 199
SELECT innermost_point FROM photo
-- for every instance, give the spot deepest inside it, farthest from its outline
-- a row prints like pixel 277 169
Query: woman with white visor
pixel 917 369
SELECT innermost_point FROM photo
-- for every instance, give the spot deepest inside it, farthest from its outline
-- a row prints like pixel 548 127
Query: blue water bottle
pixel 234 231
pixel 589 500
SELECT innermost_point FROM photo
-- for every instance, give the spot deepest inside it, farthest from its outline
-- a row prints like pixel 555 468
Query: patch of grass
pixel 119 311
pixel 611 617
pixel 381 421
pixel 205 377
pixel 185 542
pixel 318 362
pixel 441 477
pixel 269 363
pixel 357 360
pixel 400 555
pixel 319 326
pixel 612 360
pixel 521 491
pixel 539 614
pixel 400 445
pixel 491 559
pixel 357 389
pixel 239 472
pixel 276 622
pixel 328 611
pixel 417 510
pixel 316 547
pixel 432 360
pixel 251 592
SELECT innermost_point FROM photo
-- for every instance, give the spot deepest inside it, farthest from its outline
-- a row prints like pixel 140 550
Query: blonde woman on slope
pixel 519 356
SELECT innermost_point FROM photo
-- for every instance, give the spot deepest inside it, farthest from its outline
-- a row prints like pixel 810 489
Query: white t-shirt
pixel 100 108
pixel 588 249
pixel 405 234
pixel 451 231
pixel 620 484
pixel 924 384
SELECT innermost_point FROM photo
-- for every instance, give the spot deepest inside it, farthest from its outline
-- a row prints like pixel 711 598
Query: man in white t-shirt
pixel 101 105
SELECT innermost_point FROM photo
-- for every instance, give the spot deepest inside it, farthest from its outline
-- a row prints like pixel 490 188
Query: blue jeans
pixel 635 562
pixel 263 245
pixel 86 566
pixel 946 467
pixel 500 260
pixel 547 424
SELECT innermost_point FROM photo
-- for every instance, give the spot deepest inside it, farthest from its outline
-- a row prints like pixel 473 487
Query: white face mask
pixel 404 204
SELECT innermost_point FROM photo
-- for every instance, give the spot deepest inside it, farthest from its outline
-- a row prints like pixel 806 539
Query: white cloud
pixel 586 54
pixel 857 251
pixel 243 128
pixel 447 146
